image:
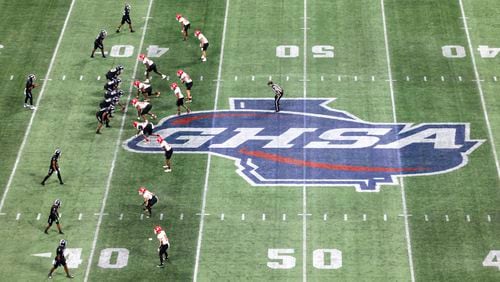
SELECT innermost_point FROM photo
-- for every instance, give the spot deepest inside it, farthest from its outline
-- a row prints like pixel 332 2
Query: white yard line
pixel 304 187
pixel 394 116
pixel 115 155
pixel 209 159
pixel 480 88
pixel 42 91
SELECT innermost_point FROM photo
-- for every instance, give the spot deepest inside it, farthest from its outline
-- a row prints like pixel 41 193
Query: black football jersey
pixel 126 11
pixel 29 83
pixel 54 211
pixel 60 253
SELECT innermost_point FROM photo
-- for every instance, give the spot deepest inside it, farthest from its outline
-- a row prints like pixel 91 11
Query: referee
pixel 278 93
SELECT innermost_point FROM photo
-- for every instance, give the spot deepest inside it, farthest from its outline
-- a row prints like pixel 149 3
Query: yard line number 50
pixel 322 258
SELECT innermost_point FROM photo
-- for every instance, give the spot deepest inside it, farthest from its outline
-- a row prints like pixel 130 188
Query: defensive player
pixel 102 117
pixel 186 79
pixel 143 109
pixel 28 95
pixel 150 200
pixel 278 93
pixel 99 43
pixel 60 259
pixel 185 25
pixel 145 129
pixel 203 44
pixel 112 84
pixel 180 98
pixel 164 245
pixel 114 72
pixel 150 66
pixel 54 166
pixel 168 153
pixel 126 19
pixel 146 89
pixel 54 216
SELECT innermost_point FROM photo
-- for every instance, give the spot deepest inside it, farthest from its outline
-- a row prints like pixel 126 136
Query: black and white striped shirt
pixel 277 89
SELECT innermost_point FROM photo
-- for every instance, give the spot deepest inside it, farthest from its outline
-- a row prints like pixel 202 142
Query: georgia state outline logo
pixel 309 143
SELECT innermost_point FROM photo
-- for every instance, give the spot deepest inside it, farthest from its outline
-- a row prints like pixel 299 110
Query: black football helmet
pixel 62 243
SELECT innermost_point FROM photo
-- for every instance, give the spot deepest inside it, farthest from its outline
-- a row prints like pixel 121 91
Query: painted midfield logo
pixel 309 143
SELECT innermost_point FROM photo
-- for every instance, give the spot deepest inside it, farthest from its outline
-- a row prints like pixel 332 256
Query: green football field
pixel 417 83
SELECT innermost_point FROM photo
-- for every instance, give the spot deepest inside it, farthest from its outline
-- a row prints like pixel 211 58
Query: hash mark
pixel 221 216
pixel 121 216
pixel 81 77
pixel 468 218
pixel 64 77
pixel 407 78
pixel 373 78
pixel 161 216
pixel 325 216
pixel 264 216
pixel 182 216
pixel 284 217
pixel 242 216
pixel 253 78
pixel 459 78
pixel 287 78
pixel 98 77
pixel 80 216
pixel 355 78
pixel 364 217
pixel 168 77
pixel 322 78
pixel 442 78
pixel 495 78
pixel 489 218
pixel 11 77
pixel 339 78
pixel 426 217
pixel 385 217
pixel 201 77
pixel 38 216
pixel 18 216
pixel 447 218
pixel 345 217
pixel 270 78
pixel 235 78
pixel 142 216
pixel 425 78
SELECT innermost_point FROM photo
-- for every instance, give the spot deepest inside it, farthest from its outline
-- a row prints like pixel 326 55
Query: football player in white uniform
pixel 186 79
pixel 168 153
pixel 146 89
pixel 164 244
pixel 150 200
pixel 143 109
pixel 203 44
pixel 185 25
pixel 150 66
pixel 180 98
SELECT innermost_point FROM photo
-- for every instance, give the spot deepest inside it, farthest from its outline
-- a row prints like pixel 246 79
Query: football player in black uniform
pixel 28 95
pixel 126 19
pixel 54 216
pixel 54 166
pixel 114 72
pixel 102 118
pixel 60 259
pixel 113 84
pixel 99 43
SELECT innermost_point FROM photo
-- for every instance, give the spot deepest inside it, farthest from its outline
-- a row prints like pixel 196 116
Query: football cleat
pixel 157 229
pixel 142 190
pixel 134 101
pixel 137 83
pixel 142 57
pixel 180 72
pixel 173 85
pixel 57 202
pixel 197 32
pixel 62 243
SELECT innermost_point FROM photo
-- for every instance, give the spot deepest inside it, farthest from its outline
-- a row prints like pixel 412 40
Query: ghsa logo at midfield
pixel 312 144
